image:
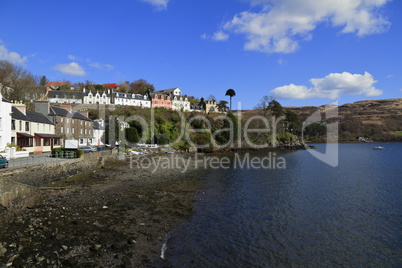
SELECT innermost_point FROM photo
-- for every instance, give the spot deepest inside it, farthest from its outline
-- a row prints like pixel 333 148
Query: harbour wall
pixel 21 187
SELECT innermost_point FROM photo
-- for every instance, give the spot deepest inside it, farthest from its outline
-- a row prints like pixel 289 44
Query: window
pixel 56 142
pixel 72 130
pixel 46 142
pixel 81 141
pixel 61 129
pixel 13 124
pixel 20 125
pixel 26 126
pixel 38 142
pixel 61 120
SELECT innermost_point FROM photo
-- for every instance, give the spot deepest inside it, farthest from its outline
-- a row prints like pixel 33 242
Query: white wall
pixel 5 123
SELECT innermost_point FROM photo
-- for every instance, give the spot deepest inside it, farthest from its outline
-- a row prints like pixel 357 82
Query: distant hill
pixel 373 119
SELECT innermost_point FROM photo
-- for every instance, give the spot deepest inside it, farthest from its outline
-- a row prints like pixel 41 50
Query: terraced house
pixel 69 124
pixel 96 97
pixel 32 131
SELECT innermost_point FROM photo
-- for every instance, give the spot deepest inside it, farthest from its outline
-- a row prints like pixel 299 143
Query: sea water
pixel 307 214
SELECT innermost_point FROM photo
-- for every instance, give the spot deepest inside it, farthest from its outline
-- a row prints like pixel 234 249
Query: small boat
pixel 378 148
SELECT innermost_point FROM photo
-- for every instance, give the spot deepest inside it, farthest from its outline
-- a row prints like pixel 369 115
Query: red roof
pixel 110 85
pixel 57 84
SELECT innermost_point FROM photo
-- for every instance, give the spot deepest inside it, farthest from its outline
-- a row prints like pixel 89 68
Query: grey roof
pixel 120 95
pixel 17 114
pixel 138 97
pixel 98 126
pixel 64 113
pixel 166 91
pixel 77 115
pixel 86 93
pixel 59 111
pixel 159 96
pixel 65 94
pixel 38 118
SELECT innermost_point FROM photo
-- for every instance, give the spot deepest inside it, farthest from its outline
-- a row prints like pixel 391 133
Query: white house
pixel 57 96
pixel 139 100
pixel 96 97
pixel 180 103
pixel 5 121
pixel 120 98
pixel 99 130
pixel 171 91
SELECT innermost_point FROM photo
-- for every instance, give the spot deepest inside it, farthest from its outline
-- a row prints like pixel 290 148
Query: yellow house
pixel 32 131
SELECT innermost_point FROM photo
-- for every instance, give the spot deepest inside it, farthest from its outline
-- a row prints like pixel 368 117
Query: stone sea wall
pixel 21 187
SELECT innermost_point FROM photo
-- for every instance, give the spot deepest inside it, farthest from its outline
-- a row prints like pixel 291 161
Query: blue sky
pixel 302 52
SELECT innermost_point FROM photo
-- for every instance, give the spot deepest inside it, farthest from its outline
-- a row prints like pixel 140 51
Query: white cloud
pixel 220 36
pixel 159 4
pixel 281 24
pixel 331 87
pixel 101 66
pixel 12 57
pixel 72 57
pixel 72 68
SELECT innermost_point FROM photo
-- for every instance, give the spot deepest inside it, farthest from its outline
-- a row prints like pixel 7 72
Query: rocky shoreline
pixel 117 215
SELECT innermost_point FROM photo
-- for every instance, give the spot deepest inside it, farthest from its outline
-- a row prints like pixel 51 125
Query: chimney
pixel 43 107
pixel 67 106
pixel 20 106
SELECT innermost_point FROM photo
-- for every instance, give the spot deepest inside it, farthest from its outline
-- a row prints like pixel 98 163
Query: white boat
pixel 378 148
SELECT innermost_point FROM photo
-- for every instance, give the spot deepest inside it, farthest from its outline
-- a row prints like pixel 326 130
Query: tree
pixel 223 106
pixel 276 108
pixel 211 97
pixel 264 102
pixel 21 82
pixel 43 81
pixel 99 87
pixel 231 93
pixel 141 86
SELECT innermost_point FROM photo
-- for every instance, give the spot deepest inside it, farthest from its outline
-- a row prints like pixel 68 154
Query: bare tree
pixel 21 81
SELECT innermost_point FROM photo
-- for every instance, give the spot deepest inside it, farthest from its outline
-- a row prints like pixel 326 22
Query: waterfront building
pixel 32 131
pixel 69 124
pixel 5 121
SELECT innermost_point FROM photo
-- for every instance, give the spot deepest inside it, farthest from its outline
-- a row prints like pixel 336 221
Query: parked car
pixel 88 149
pixel 3 162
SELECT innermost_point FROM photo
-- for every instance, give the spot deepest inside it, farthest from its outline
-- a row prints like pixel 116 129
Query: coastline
pixel 116 215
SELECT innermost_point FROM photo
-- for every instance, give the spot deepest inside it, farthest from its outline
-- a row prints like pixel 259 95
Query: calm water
pixel 309 214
